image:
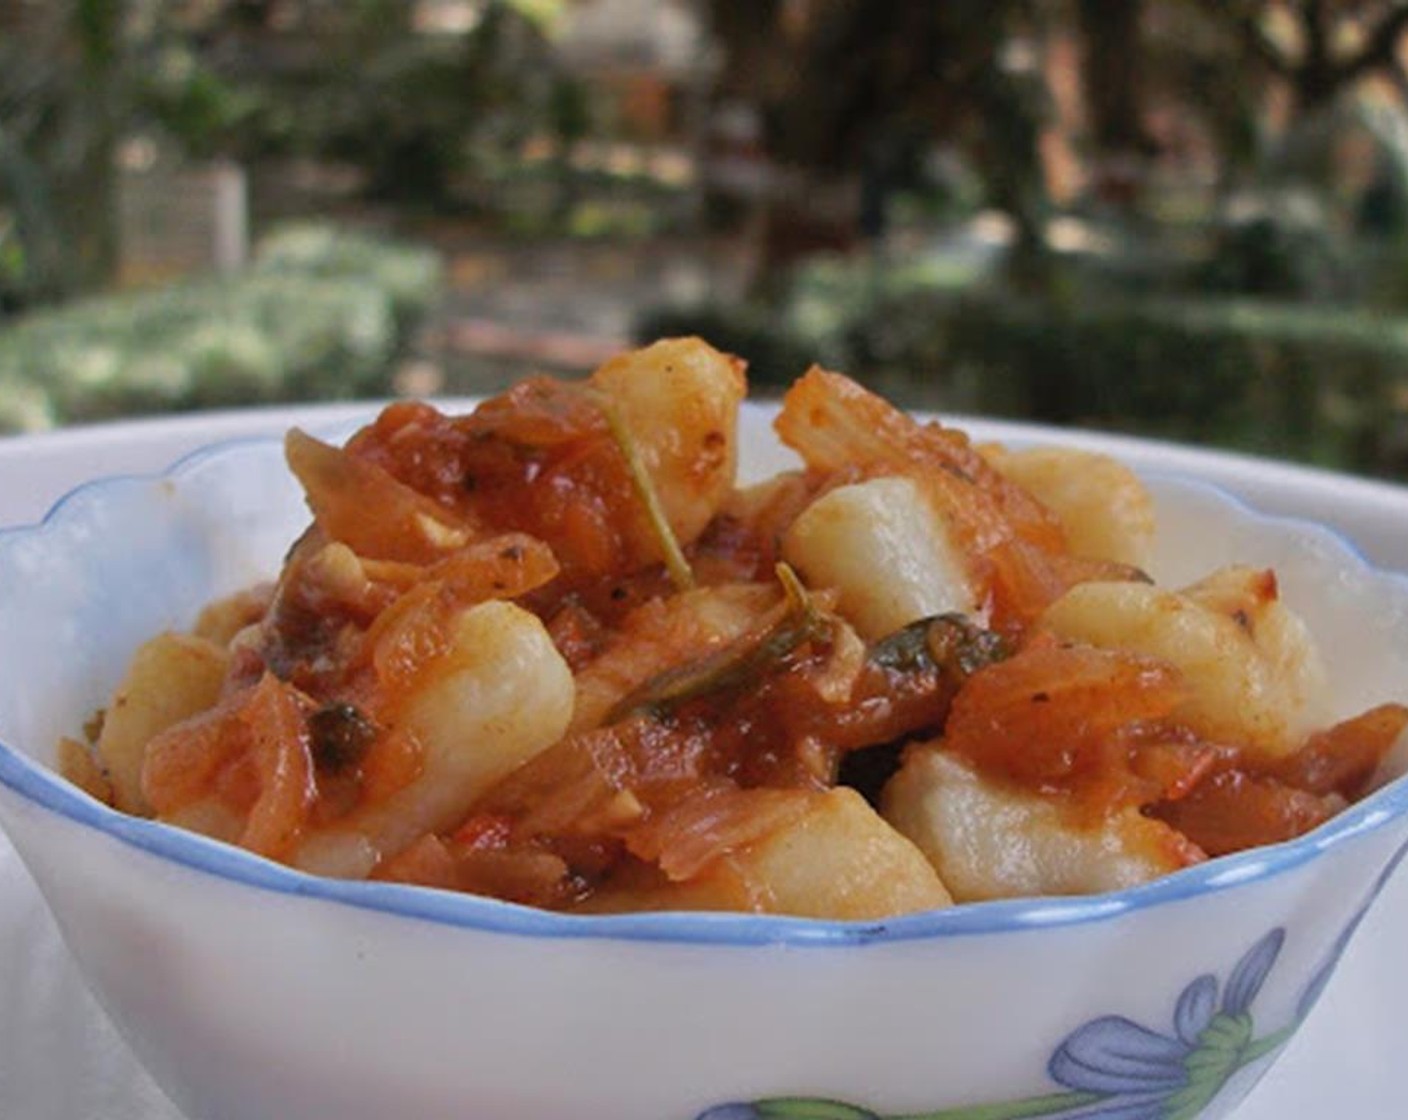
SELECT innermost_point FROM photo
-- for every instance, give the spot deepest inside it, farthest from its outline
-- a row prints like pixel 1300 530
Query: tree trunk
pixel 23 184
pixel 1112 78
pixel 1009 159
pixel 88 190
pixel 1318 80
pixel 795 220
pixel 1112 75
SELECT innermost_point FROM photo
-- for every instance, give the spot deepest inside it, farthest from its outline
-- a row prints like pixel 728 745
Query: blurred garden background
pixel 1184 218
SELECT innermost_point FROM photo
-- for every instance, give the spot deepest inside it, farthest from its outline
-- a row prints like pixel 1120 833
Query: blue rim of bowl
pixel 42 787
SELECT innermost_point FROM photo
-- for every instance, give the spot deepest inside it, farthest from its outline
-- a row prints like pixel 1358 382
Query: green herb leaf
pixel 739 663
pixel 681 575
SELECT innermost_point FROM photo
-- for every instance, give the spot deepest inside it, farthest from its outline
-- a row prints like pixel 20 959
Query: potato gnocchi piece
pixel 171 677
pixel 1103 506
pixel 497 697
pixel 842 860
pixel 888 552
pixel 75 762
pixel 222 620
pixel 990 842
pixel 836 859
pixel 1252 599
pixel 679 400
pixel 1255 675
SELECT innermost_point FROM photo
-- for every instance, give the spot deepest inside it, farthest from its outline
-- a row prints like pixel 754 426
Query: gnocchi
pixel 497 696
pixel 987 841
pixel 1103 506
pixel 886 550
pixel 172 676
pixel 1254 675
pixel 552 652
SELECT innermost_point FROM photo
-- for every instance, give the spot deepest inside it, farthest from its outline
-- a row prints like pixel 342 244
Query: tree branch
pixel 1245 21
pixel 1398 76
pixel 1380 48
pixel 1319 50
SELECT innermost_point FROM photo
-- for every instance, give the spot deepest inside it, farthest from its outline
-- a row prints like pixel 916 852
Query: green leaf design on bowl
pixel 1111 1067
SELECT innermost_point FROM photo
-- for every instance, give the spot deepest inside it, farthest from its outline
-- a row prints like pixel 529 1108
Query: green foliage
pixel 776 353
pixel 1286 248
pixel 61 99
pixel 206 114
pixel 1321 385
pixel 405 119
pixel 418 114
pixel 319 315
pixel 1306 383
pixel 410 276
pixel 24 407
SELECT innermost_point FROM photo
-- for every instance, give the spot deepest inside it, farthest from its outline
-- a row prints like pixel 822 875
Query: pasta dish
pixel 552 652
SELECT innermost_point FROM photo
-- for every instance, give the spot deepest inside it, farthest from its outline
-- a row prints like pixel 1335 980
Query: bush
pixel 1285 247
pixel 776 353
pixel 410 276
pixel 1325 386
pixel 319 315
pixel 1309 384
pixel 23 407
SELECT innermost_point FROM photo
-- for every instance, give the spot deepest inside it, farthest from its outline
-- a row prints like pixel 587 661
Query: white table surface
pixel 61 1059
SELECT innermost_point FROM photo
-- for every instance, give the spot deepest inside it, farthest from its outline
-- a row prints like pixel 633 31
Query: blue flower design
pixel 1140 1074
pixel 1113 1068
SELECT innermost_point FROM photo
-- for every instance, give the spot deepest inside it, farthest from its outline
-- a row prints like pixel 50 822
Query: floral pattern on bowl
pixel 190 945
pixel 1112 1068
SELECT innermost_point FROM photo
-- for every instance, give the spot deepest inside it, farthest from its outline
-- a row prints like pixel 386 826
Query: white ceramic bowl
pixel 253 991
